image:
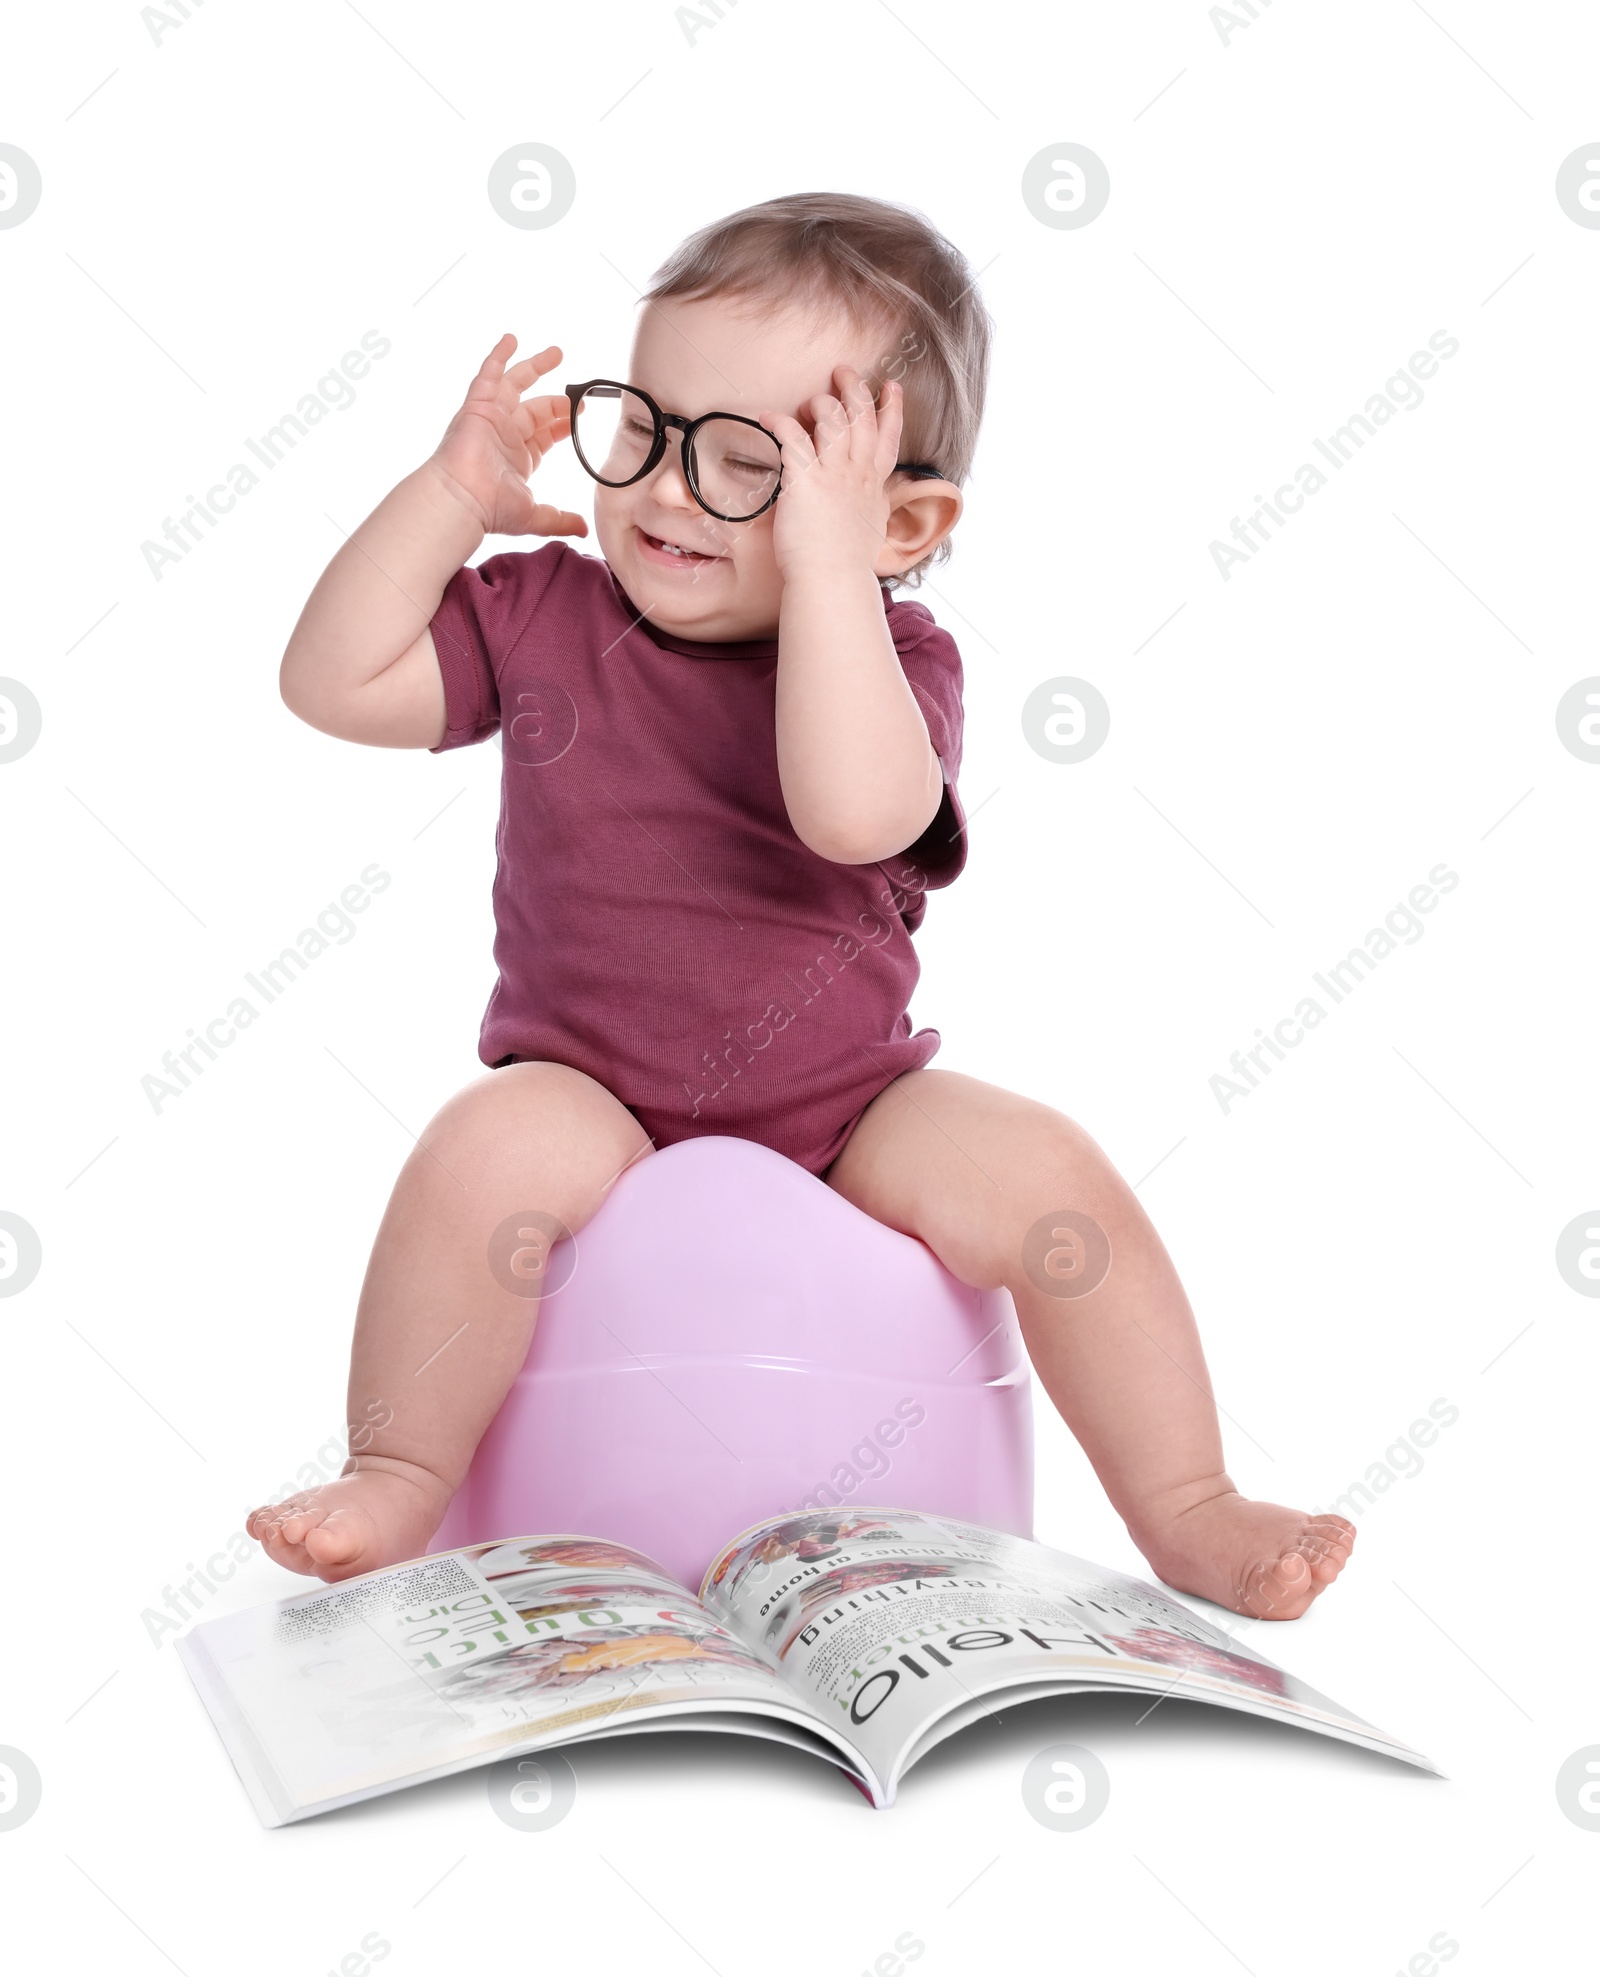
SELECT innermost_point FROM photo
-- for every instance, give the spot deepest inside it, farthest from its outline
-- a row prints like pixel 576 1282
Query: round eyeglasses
pixel 733 465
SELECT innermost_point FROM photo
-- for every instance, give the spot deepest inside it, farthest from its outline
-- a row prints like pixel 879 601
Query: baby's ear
pixel 921 514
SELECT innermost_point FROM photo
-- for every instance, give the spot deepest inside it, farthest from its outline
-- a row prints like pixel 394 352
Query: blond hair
pixel 890 270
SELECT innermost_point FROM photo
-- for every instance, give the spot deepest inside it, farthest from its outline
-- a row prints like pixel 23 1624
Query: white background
pixel 1290 753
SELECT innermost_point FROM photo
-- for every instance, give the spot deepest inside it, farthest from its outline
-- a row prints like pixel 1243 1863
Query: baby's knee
pixel 1048 1144
pixel 1054 1170
pixel 533 1114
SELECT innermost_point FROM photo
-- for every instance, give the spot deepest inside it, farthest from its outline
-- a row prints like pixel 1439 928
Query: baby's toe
pixel 274 1543
pixel 1327 1565
pixel 264 1525
pixel 1280 1590
pixel 297 1519
pixel 339 1539
pixel 1327 1544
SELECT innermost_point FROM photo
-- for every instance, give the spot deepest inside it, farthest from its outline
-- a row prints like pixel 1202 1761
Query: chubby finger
pixel 891 423
pixel 790 435
pixel 865 419
pixel 522 373
pixel 555 521
pixel 853 392
pixel 548 414
pixel 540 429
pixel 829 419
pixel 493 366
pixel 489 386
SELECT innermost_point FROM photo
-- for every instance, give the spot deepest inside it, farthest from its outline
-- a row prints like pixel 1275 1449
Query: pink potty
pixel 735 1340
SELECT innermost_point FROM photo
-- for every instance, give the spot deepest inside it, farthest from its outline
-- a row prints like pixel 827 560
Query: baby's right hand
pixel 496 440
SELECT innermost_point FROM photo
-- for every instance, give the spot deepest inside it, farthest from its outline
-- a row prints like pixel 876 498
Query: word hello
pixel 1344 976
pixel 334 392
pixel 223 1031
pixel 1401 392
pixel 976 1636
pixel 1400 1458
pixel 870 1454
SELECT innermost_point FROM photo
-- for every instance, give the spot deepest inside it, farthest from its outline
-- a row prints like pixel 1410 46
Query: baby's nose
pixel 668 483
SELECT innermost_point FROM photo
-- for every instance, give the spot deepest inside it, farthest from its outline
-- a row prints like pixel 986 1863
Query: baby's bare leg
pixel 971 1170
pixel 438 1337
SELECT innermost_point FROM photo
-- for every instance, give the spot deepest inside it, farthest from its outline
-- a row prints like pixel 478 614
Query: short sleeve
pixel 932 666
pixel 484 611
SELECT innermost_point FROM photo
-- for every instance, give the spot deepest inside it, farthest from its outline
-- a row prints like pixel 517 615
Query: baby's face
pixel 714 356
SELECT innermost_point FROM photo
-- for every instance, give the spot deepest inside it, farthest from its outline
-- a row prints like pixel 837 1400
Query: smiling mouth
pixel 675 550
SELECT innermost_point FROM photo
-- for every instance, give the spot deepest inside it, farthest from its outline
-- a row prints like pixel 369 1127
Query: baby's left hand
pixel 834 507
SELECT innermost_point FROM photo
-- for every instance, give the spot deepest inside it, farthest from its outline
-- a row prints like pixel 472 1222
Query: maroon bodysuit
pixel 658 924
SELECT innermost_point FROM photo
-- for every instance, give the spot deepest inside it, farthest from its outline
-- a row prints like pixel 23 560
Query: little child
pixel 729 782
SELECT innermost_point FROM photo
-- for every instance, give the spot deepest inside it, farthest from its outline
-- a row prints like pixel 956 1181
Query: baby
pixel 729 782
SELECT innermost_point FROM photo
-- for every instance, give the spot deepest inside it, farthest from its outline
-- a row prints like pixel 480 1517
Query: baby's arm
pixel 360 663
pixel 860 776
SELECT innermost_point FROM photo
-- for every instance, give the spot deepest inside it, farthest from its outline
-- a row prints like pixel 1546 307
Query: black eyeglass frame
pixel 687 428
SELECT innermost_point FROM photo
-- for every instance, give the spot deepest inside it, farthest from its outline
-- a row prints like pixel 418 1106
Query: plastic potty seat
pixel 728 1339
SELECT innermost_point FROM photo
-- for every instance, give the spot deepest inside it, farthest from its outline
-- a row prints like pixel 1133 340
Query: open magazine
pixel 865 1636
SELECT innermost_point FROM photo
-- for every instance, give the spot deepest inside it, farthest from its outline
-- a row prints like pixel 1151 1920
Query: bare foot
pixel 357 1523
pixel 1257 1558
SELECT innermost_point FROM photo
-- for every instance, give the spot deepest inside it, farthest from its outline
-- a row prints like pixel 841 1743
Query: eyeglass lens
pixel 736 465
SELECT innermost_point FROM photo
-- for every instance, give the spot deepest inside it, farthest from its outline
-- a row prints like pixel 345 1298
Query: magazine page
pixel 467 1656
pixel 900 1625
